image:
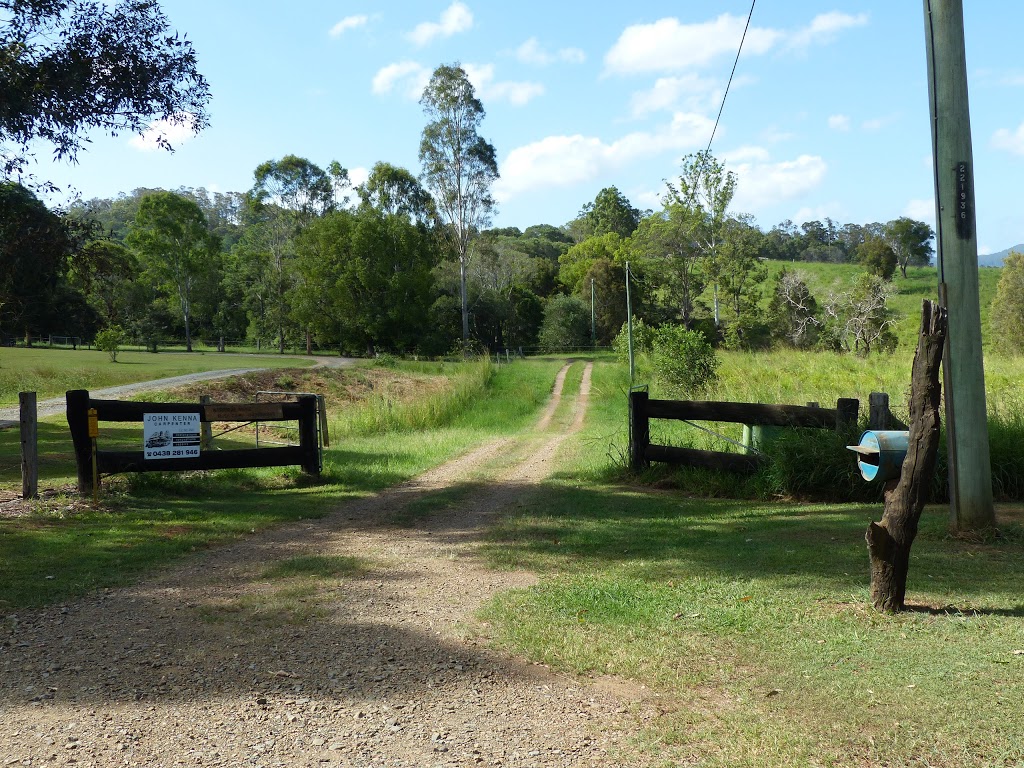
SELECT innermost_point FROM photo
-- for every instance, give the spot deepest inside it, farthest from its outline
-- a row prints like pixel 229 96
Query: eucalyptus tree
pixel 610 211
pixel 175 249
pixel 391 189
pixel 911 241
pixel 667 247
pixel 705 190
pixel 68 67
pixel 458 165
pixel 287 195
pixel 364 280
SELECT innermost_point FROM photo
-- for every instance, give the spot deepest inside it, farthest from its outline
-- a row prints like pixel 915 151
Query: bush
pixel 1008 306
pixel 642 338
pixel 684 362
pixel 566 324
pixel 110 340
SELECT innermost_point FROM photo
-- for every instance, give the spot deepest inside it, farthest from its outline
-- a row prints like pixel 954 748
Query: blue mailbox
pixel 880 454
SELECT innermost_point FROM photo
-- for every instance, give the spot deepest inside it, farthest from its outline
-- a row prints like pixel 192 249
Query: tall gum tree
pixel 287 195
pixel 458 165
pixel 705 189
pixel 174 246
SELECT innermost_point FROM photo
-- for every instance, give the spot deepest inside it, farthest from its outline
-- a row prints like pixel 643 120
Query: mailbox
pixel 880 454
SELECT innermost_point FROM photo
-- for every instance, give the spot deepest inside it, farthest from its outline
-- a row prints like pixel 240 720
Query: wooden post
pixel 639 430
pixel 78 423
pixel 878 413
pixel 308 442
pixel 970 471
pixel 205 427
pixel 847 410
pixel 889 542
pixel 321 407
pixel 29 446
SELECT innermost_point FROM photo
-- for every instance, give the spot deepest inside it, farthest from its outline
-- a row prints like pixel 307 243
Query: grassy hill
pixel 920 283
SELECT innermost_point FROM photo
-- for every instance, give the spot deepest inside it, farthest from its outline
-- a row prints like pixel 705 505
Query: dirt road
pixel 214 663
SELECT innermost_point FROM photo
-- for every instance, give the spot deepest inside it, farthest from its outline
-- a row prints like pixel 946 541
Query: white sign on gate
pixel 170 435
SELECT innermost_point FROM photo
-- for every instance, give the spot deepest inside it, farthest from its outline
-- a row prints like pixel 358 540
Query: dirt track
pixel 204 665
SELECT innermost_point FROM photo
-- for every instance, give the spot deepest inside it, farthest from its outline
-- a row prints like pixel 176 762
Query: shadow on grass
pixel 223 615
pixel 661 536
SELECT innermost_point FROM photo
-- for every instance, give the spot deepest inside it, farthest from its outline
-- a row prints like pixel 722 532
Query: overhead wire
pixel 735 62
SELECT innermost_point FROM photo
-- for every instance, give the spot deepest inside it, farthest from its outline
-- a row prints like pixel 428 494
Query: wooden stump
pixel 890 540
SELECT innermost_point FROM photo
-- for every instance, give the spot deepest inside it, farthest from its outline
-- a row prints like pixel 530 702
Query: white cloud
pixel 823 28
pixel 817 213
pixel 175 131
pixel 531 52
pixel 921 210
pixel 761 182
pixel 669 46
pixel 409 76
pixel 454 19
pixel 516 93
pixel 349 22
pixel 690 91
pixel 875 124
pixel 565 160
pixel 746 154
pixel 839 122
pixel 1012 142
pixel 358 176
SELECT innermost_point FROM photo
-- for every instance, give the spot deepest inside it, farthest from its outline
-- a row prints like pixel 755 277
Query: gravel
pixel 211 663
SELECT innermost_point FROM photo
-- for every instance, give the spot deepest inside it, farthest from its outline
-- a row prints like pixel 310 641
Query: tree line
pixel 403 262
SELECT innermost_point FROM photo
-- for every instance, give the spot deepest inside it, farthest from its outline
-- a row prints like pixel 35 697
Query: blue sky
pixel 827 116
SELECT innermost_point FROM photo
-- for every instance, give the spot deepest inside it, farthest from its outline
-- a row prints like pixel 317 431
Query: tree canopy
pixel 458 165
pixel 69 66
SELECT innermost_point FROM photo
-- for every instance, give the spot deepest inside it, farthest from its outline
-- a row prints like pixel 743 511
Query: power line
pixel 735 62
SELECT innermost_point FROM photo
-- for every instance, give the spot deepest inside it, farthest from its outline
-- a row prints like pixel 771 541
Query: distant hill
pixel 996 259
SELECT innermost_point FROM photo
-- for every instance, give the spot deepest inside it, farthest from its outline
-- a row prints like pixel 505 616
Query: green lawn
pixel 750 621
pixel 51 372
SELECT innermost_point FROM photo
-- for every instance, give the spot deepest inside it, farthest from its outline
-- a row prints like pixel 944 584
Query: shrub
pixel 110 340
pixel 1008 306
pixel 684 362
pixel 642 338
pixel 566 324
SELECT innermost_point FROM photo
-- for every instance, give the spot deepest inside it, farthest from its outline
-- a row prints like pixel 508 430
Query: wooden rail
pixel 306 454
pixel 642 409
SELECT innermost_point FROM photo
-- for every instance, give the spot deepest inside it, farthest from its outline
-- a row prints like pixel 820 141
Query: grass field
pixel 919 284
pixel 747 621
pixel 750 624
pixel 51 372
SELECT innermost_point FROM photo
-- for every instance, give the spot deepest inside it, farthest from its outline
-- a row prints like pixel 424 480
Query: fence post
pixel 639 430
pixel 847 410
pixel 878 411
pixel 205 428
pixel 308 435
pixel 29 445
pixel 78 423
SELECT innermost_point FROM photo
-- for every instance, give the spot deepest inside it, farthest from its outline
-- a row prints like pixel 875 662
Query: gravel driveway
pixel 207 664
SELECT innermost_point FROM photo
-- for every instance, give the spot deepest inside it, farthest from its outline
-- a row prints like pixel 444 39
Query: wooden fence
pixel 642 409
pixel 304 410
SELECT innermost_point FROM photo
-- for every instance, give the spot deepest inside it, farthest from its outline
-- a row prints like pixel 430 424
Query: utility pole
pixel 629 329
pixel 593 315
pixel 963 372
